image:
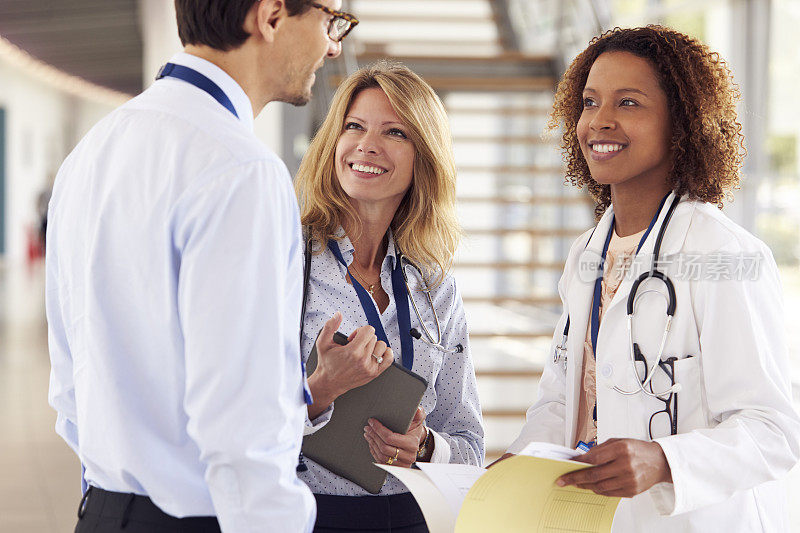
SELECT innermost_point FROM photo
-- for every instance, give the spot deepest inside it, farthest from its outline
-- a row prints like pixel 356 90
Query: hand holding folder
pixel 402 449
pixel 391 398
pixel 343 363
pixel 518 494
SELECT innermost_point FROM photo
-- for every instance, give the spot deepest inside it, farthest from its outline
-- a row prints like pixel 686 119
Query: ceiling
pixel 98 40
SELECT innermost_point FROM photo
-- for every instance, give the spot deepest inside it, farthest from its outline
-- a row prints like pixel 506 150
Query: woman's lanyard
pixel 370 309
pixel 189 75
pixel 598 288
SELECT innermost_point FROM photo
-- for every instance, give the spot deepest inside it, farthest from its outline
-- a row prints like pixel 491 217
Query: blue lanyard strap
pixel 371 311
pixel 598 288
pixel 189 75
pixel 403 313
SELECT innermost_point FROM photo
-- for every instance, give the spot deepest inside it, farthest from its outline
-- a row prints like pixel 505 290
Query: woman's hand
pixel 341 368
pixel 624 467
pixel 385 444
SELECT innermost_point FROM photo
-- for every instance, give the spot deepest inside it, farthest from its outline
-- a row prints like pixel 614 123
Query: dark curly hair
pixel 707 143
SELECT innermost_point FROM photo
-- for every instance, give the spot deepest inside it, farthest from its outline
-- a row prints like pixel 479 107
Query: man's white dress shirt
pixel 174 273
pixel 451 399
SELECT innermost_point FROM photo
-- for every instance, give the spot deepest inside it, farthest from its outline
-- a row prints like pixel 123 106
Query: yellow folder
pixel 516 495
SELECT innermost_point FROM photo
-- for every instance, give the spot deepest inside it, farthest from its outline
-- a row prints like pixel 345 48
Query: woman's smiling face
pixel 374 156
pixel 624 130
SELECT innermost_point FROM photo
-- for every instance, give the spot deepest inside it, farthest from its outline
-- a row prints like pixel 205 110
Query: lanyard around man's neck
pixel 189 75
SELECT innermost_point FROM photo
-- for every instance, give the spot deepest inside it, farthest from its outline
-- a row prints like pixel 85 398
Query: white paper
pixel 547 450
pixel 452 480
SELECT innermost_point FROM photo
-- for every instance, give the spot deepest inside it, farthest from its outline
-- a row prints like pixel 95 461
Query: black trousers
pixel 398 513
pixel 103 511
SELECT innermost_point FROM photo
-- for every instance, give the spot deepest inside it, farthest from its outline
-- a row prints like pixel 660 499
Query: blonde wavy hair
pixel 425 225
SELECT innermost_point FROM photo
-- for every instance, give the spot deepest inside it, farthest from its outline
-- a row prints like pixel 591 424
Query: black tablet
pixel 391 398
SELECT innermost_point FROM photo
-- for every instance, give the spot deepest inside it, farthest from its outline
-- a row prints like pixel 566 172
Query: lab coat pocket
pixel 690 412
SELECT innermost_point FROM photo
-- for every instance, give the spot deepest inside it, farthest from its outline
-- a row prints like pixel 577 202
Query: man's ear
pixel 268 16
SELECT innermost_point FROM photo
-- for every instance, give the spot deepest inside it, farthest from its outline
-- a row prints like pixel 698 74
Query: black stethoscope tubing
pixel 654 272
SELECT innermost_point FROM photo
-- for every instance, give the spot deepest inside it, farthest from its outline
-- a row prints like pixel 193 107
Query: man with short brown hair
pixel 174 265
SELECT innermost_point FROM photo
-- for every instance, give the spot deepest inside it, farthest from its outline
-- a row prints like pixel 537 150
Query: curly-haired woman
pixel 378 182
pixel 692 426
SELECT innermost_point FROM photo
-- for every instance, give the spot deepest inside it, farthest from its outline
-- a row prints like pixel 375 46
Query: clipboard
pixel 392 398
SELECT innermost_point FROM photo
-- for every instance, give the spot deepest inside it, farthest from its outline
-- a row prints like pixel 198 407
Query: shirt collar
pixel 391 251
pixel 228 85
pixel 347 249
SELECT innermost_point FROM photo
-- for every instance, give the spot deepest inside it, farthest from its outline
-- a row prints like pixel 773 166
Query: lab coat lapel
pixel 579 302
pixel 676 233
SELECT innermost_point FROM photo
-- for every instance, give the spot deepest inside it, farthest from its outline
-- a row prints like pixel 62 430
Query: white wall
pixel 159 36
pixel 44 123
pixel 42 126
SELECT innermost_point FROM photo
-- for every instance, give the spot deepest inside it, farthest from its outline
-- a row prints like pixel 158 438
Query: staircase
pixel 518 217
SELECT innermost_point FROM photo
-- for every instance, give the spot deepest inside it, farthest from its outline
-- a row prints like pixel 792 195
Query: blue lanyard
pixel 200 81
pixel 400 300
pixel 598 288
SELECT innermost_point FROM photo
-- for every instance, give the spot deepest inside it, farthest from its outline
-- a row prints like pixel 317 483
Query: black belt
pixel 132 508
pixel 354 513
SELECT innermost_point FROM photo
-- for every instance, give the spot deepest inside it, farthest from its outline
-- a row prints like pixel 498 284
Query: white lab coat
pixel 737 429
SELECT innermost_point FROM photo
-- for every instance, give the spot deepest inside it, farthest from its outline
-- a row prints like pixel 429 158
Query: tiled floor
pixel 39 474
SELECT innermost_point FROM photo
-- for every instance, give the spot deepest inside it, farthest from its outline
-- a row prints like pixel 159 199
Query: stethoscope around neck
pixel 425 336
pixel 644 385
pixel 407 333
pixel 635 352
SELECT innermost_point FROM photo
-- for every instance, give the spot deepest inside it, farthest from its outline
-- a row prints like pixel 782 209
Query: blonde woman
pixel 378 181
